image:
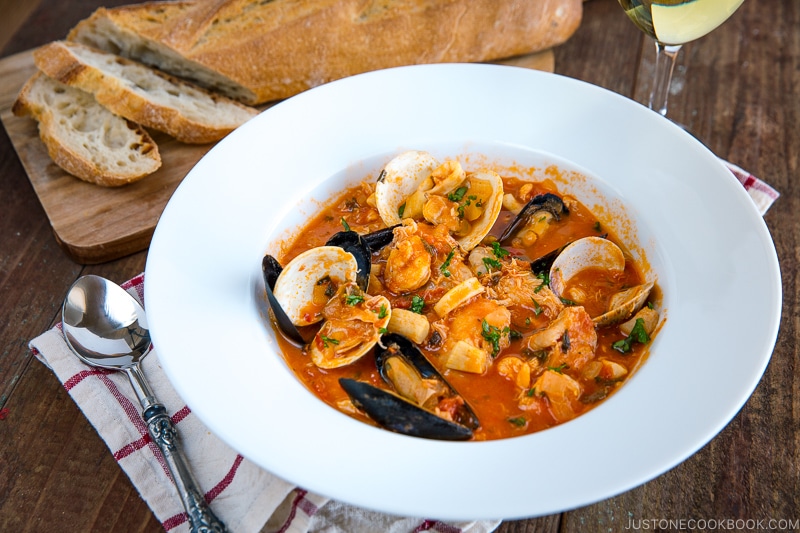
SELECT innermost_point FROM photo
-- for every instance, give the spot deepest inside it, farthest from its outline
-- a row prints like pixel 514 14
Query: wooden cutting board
pixel 95 224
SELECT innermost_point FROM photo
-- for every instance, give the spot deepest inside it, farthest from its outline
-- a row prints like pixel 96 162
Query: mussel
pixel 546 204
pixel 415 185
pixel 421 403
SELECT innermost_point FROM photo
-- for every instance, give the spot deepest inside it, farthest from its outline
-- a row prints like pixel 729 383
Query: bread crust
pixel 143 95
pixel 83 153
pixel 270 50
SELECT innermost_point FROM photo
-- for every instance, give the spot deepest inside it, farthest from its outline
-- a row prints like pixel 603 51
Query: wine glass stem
pixel 665 63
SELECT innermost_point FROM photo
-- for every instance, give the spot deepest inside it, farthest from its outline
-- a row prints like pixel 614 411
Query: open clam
pixel 597 252
pixel 415 185
pixel 421 402
pixel 328 283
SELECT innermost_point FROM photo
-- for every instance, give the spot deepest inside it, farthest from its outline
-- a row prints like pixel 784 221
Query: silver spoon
pixel 107 328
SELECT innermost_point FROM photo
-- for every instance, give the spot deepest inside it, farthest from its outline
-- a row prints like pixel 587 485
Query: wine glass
pixel 672 23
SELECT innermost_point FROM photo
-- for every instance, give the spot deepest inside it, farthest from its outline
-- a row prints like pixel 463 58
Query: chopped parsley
pixel 490 263
pixel 566 301
pixel 545 281
pixel 400 210
pixel 383 312
pixel 560 368
pixel 417 304
pixel 493 334
pixel 518 421
pixel 345 225
pixel 638 334
pixel 537 309
pixel 326 340
pixel 383 330
pixel 457 195
pixel 354 299
pixel 446 265
pixel 597 226
pixel 499 251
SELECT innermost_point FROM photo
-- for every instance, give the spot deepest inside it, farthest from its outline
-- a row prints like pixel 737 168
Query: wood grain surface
pixel 736 89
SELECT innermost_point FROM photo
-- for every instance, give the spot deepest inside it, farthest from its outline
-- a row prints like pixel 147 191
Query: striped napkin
pixel 245 497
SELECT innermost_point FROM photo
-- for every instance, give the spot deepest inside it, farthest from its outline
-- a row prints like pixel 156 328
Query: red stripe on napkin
pixel 174 521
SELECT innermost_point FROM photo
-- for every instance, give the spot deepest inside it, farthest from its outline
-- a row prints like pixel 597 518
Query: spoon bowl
pixel 104 325
pixel 107 328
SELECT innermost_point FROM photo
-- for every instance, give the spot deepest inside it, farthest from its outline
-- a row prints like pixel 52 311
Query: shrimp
pixel 570 338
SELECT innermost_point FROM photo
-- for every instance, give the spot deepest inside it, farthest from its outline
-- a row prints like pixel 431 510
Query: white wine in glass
pixel 672 23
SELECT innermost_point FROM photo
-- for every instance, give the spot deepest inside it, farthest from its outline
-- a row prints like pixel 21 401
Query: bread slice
pixel 142 94
pixel 262 50
pixel 83 137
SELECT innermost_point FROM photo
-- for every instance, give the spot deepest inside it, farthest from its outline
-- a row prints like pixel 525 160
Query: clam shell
pixel 582 254
pixel 624 304
pixel 294 287
pixel 402 176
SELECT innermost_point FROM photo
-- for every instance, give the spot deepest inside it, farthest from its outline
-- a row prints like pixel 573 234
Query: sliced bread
pixel 142 94
pixel 83 137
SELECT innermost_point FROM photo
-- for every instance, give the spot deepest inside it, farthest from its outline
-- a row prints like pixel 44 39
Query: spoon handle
pixel 163 432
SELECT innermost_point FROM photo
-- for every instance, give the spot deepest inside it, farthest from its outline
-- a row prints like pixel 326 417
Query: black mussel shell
pixel 380 238
pixel 543 202
pixel 271 269
pixel 350 241
pixel 396 414
pixel 395 344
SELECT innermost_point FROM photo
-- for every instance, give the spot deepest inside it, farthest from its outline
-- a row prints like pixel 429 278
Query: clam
pixel 598 252
pixel 354 322
pixel 415 185
pixel 421 403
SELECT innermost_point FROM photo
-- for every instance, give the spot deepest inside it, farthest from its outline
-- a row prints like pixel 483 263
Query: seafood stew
pixel 460 305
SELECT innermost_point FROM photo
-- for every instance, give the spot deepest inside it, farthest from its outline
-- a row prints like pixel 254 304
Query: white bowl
pixel 681 209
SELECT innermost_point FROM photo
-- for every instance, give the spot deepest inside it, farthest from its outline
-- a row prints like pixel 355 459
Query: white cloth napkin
pixel 245 497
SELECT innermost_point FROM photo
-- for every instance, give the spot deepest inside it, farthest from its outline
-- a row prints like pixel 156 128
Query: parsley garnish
pixel 354 299
pixel 490 263
pixel 382 313
pixel 518 421
pixel 383 330
pixel 545 281
pixel 493 335
pixel 446 264
pixel 537 309
pixel 326 340
pixel 400 210
pixel 417 304
pixel 597 226
pixel 560 368
pixel 345 225
pixel 638 334
pixel 457 195
pixel 566 301
pixel 499 251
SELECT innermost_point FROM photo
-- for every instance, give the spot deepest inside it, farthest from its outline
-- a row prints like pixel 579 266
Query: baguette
pixel 83 137
pixel 257 51
pixel 142 94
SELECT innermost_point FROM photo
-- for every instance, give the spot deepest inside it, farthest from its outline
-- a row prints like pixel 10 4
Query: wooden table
pixel 737 90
